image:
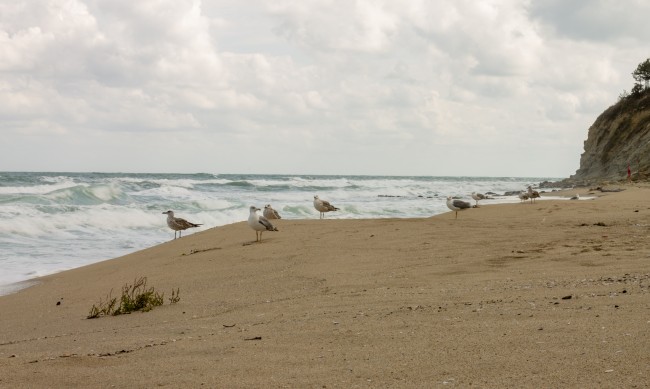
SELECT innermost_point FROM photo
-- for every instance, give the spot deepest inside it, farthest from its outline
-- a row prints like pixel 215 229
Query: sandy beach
pixel 551 294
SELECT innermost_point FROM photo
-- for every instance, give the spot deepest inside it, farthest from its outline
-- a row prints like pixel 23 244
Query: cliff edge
pixel 619 136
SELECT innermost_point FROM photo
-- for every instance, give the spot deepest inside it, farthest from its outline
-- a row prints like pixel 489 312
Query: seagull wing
pixel 329 206
pixel 267 224
pixel 184 224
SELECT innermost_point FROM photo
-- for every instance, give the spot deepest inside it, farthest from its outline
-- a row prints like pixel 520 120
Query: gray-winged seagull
pixel 178 224
pixel 478 196
pixel 457 205
pixel 270 213
pixel 259 223
pixel 323 206
pixel 532 194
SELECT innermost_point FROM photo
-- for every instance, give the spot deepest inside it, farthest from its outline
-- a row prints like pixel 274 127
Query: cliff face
pixel 619 136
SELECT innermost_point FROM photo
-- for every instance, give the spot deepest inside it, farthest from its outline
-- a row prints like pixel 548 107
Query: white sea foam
pixel 54 222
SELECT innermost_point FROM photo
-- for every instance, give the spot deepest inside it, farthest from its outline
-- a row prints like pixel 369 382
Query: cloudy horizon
pixel 433 88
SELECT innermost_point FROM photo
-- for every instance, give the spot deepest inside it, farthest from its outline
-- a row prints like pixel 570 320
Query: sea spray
pixel 51 222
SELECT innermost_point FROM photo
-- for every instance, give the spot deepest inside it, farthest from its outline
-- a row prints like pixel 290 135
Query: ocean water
pixel 51 222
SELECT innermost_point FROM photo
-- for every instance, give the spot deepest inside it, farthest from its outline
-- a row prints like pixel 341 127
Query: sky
pixel 381 87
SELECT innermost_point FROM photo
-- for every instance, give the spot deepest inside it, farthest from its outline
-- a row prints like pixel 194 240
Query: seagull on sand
pixel 178 224
pixel 523 196
pixel 457 205
pixel 532 194
pixel 478 196
pixel 576 197
pixel 259 223
pixel 323 206
pixel 271 213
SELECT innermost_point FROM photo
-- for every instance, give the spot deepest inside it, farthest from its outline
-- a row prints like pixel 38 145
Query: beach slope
pixel 551 294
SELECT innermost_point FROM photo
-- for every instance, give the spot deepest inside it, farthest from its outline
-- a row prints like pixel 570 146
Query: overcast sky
pixel 417 87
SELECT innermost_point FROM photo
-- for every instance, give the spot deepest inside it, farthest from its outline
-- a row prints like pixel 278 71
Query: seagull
pixel 178 224
pixel 259 223
pixel 271 213
pixel 457 205
pixel 323 206
pixel 523 196
pixel 576 197
pixel 478 196
pixel 532 194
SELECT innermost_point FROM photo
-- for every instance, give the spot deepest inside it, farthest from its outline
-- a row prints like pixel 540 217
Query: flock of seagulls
pixel 260 223
pixel 532 194
pixel 460 205
pixel 528 195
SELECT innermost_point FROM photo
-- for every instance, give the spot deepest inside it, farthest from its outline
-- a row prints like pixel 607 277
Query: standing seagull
pixel 523 196
pixel 323 206
pixel 271 213
pixel 477 197
pixel 457 205
pixel 532 194
pixel 259 223
pixel 178 224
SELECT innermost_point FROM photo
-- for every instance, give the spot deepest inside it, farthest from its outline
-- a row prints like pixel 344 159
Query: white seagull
pixel 259 223
pixel 323 206
pixel 271 213
pixel 178 224
pixel 457 205
pixel 478 196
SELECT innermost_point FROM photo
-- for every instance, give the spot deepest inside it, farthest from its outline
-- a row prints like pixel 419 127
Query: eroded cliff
pixel 619 136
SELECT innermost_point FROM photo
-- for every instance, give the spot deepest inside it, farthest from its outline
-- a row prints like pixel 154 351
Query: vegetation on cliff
pixel 620 137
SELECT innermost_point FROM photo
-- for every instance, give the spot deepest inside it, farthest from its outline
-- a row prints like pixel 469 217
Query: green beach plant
pixel 135 297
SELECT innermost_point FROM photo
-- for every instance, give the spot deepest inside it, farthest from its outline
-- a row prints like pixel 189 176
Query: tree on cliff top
pixel 642 73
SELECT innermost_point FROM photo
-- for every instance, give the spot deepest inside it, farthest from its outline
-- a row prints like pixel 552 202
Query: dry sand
pixel 552 294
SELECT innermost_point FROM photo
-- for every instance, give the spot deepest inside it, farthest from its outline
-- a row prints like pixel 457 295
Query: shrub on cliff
pixel 642 73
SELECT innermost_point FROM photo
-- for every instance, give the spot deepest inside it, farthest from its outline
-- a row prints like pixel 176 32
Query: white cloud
pixel 327 86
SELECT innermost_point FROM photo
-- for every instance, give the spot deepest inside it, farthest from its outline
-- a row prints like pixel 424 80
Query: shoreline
pixel 14 287
pixel 416 302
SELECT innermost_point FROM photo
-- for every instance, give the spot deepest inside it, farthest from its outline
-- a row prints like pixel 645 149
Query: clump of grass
pixel 135 297
pixel 103 308
pixel 175 296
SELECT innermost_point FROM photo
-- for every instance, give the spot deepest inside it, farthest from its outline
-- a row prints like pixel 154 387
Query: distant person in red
pixel 629 173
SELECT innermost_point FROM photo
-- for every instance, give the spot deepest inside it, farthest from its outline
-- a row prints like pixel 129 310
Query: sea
pixel 50 222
